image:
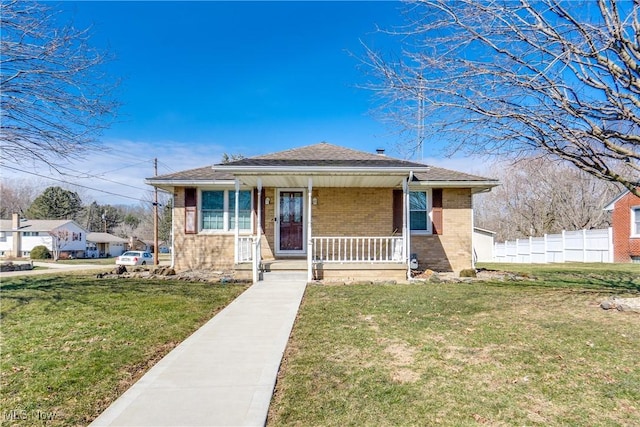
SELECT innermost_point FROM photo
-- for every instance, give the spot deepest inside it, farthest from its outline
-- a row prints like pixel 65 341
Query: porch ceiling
pixel 337 180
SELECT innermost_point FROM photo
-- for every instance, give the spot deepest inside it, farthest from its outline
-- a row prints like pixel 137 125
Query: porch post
pixel 406 228
pixel 256 251
pixel 237 229
pixel 309 237
pixel 404 220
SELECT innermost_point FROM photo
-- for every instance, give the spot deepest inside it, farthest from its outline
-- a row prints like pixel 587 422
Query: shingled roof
pixel 323 154
pixel 318 156
pixel 205 173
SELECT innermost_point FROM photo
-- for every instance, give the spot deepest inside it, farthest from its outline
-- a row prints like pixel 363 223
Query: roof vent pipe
pixel 380 151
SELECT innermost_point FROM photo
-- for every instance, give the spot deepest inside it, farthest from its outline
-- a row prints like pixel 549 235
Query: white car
pixel 135 258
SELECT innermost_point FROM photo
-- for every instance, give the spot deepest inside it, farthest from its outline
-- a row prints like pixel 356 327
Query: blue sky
pixel 204 78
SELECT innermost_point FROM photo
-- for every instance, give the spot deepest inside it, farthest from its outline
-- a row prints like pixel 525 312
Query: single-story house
pixel 136 244
pixel 101 245
pixel 19 236
pixel 625 222
pixel 332 211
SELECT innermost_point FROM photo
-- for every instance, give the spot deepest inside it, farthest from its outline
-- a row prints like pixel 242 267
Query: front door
pixel 291 221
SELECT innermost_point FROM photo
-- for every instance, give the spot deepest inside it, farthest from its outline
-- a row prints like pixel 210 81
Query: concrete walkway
pixel 224 374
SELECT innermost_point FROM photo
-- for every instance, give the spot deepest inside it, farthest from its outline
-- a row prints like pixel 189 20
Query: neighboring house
pixel 101 245
pixel 19 236
pixel 625 221
pixel 341 213
pixel 483 244
pixel 136 244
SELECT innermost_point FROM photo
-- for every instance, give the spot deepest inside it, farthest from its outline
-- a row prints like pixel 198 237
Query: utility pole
pixel 155 215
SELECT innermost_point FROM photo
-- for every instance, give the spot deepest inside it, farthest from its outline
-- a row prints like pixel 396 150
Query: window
pixel 218 210
pixel 3 236
pixel 635 221
pixel 244 210
pixel 418 211
pixel 30 233
pixel 213 210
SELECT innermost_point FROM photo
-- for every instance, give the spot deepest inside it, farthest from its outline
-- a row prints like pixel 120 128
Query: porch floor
pixel 335 270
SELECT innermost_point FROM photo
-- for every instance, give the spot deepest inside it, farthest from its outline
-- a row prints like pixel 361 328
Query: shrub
pixel 40 252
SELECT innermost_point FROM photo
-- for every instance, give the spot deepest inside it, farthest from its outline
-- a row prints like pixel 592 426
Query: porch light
pixel 267 200
pixel 314 201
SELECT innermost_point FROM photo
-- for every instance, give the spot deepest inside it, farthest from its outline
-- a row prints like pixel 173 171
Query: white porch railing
pixel 249 250
pixel 257 257
pixel 245 248
pixel 357 249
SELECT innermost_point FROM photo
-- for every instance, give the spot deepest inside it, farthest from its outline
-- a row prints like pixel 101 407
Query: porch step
pixel 285 265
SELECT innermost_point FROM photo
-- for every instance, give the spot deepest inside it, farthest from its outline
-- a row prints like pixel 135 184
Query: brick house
pixel 625 221
pixel 332 211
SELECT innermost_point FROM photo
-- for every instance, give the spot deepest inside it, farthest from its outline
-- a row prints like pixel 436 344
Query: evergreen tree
pixel 56 203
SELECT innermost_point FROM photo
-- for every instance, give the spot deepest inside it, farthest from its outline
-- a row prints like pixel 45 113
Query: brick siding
pixel 339 212
pixel 624 246
pixel 450 251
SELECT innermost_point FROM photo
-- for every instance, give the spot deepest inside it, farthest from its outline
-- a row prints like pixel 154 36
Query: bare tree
pixel 521 78
pixel 539 197
pixel 54 98
pixel 16 195
pixel 60 239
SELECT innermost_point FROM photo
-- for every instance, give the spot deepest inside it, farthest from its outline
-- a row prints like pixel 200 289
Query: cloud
pixel 116 173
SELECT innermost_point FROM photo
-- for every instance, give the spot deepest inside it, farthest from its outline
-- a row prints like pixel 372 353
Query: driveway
pixel 51 267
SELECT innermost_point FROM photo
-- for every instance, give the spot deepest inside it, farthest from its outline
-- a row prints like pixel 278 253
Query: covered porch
pixel 332 226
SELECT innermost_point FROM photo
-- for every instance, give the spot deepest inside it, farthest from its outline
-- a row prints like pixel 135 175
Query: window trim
pixel 429 212
pixel 634 232
pixel 226 215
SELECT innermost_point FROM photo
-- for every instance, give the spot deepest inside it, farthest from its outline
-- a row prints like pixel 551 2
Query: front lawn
pixel 71 344
pixel 501 353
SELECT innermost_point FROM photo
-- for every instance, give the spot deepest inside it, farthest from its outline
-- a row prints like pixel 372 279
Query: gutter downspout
pixel 309 232
pixel 173 217
pixel 407 222
pixel 237 229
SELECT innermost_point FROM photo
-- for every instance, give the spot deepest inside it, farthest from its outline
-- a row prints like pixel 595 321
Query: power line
pixel 166 166
pixel 86 174
pixel 78 185
pixel 127 166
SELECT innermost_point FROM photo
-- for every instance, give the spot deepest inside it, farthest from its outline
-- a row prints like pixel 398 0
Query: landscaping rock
pixel 622 304
pixel 164 271
pixel 10 266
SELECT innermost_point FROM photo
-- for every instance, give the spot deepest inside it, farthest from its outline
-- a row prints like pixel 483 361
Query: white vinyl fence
pixel 569 246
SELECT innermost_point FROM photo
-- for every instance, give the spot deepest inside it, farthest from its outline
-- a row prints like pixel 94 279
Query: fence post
pixel 610 232
pixel 545 248
pixel 564 248
pixel 584 245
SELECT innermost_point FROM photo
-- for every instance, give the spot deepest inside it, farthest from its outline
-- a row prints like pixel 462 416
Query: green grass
pixel 96 261
pixel 614 277
pixel 505 353
pixel 71 344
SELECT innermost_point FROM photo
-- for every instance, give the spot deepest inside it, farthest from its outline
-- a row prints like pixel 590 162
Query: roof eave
pixel 315 170
pixel 479 185
pixel 168 183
